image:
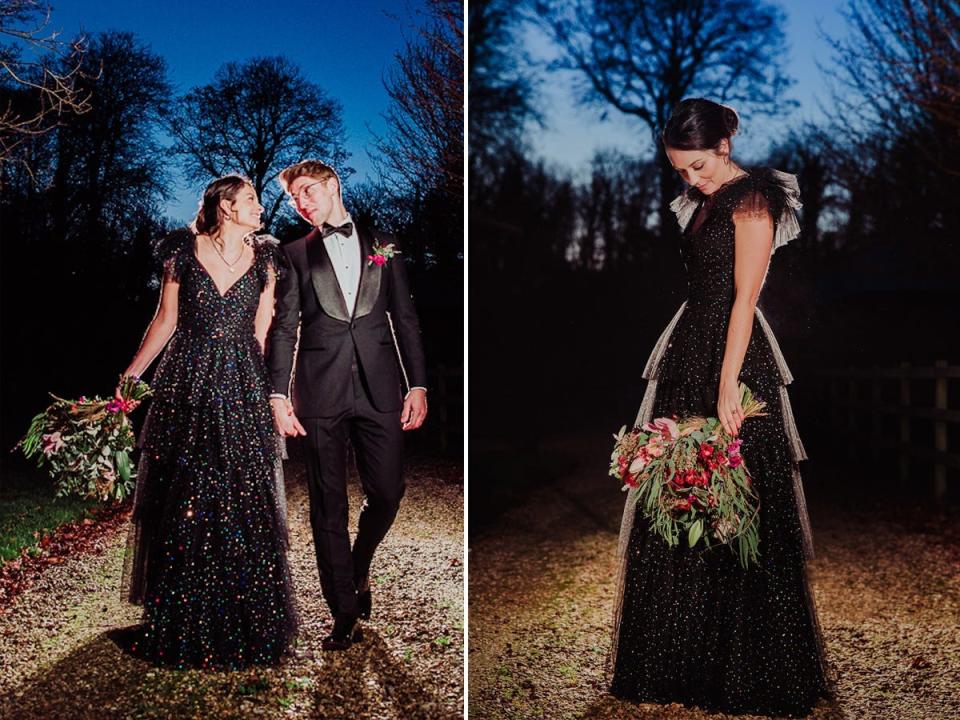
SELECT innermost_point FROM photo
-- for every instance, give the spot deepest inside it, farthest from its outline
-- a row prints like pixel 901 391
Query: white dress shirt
pixel 344 253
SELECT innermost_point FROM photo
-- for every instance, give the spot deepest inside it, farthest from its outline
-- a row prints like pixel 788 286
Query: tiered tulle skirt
pixel 693 626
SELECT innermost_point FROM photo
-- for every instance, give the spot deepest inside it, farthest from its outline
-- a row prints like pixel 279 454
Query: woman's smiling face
pixel 703 169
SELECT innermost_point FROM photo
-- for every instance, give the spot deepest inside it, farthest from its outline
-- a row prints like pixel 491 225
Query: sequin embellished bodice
pixel 215 337
pixel 707 250
pixel 205 314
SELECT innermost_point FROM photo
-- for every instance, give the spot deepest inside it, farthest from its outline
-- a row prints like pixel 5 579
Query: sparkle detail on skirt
pixel 207 551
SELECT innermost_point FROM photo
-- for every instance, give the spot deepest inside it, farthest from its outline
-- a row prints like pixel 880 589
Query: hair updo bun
pixel 731 120
pixel 700 124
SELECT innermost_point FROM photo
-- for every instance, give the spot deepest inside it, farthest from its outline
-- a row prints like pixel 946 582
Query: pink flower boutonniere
pixel 382 253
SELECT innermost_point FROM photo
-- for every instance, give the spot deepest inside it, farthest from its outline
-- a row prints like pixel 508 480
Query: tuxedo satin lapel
pixel 324 279
pixel 370 275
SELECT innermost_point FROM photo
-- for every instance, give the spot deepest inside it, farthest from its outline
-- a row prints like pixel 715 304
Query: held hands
pixel 414 409
pixel 284 421
pixel 729 410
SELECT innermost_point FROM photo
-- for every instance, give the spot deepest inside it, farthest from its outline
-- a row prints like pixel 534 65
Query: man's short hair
pixel 307 168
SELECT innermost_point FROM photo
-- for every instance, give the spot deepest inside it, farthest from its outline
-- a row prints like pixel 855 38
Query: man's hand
pixel 414 409
pixel 284 421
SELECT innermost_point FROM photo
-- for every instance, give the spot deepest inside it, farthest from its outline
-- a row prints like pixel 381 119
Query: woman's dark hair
pixel 700 124
pixel 209 218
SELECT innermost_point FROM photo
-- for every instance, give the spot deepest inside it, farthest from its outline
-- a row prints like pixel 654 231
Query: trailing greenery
pixel 86 444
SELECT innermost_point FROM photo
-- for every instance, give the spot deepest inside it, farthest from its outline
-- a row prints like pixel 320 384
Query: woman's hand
pixel 729 410
pixel 118 395
pixel 285 422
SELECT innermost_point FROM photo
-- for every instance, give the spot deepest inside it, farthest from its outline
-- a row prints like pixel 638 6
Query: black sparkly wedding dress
pixel 692 626
pixel 207 552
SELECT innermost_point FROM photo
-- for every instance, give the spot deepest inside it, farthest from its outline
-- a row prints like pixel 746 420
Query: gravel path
pixel 57 659
pixel 541 596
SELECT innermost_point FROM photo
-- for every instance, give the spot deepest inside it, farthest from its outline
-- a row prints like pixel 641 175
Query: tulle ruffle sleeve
pixel 770 193
pixel 270 261
pixel 172 251
pixel 683 207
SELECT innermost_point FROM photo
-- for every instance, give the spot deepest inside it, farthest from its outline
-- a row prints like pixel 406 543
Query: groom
pixel 358 346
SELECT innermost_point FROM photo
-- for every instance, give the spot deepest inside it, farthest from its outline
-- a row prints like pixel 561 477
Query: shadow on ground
pixel 99 679
pixel 542 579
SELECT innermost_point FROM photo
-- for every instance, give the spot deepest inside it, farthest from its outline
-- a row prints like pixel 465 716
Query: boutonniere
pixel 382 253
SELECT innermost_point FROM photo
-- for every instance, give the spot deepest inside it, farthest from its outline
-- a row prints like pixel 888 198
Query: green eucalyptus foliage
pixel 85 445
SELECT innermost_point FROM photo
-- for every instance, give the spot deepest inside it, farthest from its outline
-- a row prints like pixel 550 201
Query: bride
pixel 207 554
pixel 693 626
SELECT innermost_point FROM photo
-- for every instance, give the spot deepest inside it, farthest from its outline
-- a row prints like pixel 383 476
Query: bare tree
pixel 423 149
pixel 897 71
pixel 809 153
pixel 34 94
pixel 530 227
pixel 256 118
pixel 895 78
pixel 642 58
pixel 109 167
pixel 500 93
pixel 371 205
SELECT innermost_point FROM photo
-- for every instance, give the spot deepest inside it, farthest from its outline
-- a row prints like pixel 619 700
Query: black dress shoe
pixel 364 602
pixel 346 631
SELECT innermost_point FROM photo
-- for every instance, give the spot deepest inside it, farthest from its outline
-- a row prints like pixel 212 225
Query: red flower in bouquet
pixel 679 480
pixel 125 406
pixel 684 504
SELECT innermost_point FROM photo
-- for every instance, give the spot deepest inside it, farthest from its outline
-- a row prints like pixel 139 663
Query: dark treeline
pixel 574 277
pixel 84 188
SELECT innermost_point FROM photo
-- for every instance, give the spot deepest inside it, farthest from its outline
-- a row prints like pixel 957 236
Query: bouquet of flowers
pixel 691 478
pixel 86 444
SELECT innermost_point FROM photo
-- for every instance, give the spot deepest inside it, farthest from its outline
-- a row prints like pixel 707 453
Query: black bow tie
pixel 346 229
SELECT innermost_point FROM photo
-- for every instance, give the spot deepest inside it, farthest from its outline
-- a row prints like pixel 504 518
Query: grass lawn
pixel 28 506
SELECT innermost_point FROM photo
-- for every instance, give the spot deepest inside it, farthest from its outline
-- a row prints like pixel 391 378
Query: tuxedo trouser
pixel 377 440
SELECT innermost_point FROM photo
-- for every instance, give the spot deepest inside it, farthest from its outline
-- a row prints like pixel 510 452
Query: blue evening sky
pixel 345 47
pixel 574 133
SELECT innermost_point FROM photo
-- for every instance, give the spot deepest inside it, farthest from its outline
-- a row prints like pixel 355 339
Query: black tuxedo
pixel 347 388
pixel 308 295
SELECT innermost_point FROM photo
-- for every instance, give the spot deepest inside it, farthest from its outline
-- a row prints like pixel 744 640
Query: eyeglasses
pixel 306 190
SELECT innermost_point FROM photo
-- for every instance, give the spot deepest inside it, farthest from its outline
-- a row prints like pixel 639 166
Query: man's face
pixel 313 198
